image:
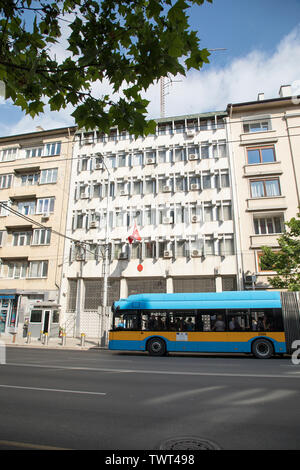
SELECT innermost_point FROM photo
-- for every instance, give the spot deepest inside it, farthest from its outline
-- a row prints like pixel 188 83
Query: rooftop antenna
pixel 165 82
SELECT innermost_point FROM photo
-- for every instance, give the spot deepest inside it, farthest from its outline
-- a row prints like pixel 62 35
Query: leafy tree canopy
pixel 129 43
pixel 286 261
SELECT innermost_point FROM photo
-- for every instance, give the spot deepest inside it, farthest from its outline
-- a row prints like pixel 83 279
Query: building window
pixel 260 155
pixel 121 160
pixel 52 149
pixel 257 126
pixel 3 210
pixel 30 179
pixel 181 249
pixel 45 205
pixel 21 238
pixel 204 150
pixel 8 154
pixel 34 152
pixel 48 176
pixel 26 207
pixel 265 188
pixel 268 225
pixel 17 270
pixel 180 154
pixel 41 237
pixel 5 181
pixel 38 268
pixel 226 247
pixel 137 159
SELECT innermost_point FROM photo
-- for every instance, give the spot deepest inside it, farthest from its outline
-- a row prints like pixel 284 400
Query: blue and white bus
pixel 263 323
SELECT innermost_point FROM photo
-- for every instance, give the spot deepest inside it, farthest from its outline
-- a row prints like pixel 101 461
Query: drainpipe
pixel 236 209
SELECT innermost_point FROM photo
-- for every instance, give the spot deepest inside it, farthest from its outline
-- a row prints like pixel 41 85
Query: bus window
pixel 238 320
pixel 276 323
pixel 155 321
pixel 127 321
pixel 259 320
pixel 267 319
pixel 132 322
pixel 219 322
pixel 182 321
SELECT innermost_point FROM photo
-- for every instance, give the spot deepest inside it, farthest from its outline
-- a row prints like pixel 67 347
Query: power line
pixel 34 222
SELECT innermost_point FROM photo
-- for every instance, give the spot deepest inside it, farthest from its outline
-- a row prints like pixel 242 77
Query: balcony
pixel 266 203
pixel 17 222
pixel 263 137
pixel 262 169
pixel 258 241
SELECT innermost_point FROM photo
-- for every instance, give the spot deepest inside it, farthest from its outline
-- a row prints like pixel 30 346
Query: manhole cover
pixel 189 443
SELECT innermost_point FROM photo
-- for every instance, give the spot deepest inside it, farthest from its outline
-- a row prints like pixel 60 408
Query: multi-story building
pixel 34 189
pixel 264 143
pixel 175 186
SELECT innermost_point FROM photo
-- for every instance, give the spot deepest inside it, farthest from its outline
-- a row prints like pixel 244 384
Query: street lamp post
pixel 105 265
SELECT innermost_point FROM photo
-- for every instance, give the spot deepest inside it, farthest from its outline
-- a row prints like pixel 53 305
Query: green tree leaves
pixel 286 261
pixel 129 44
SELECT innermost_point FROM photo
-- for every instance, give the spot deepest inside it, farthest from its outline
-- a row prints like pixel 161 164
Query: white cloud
pixel 241 80
pixel 208 90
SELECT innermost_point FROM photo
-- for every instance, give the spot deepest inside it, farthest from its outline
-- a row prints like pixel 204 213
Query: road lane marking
pixel 39 389
pixel 158 372
pixel 181 395
pixel 27 445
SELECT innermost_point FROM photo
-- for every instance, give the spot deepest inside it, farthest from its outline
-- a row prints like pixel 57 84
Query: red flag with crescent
pixel 135 235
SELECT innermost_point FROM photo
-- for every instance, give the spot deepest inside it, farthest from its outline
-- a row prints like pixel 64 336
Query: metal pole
pixel 106 253
pixel 105 269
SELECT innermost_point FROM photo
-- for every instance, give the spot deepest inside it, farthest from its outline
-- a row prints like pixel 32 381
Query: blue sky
pixel 262 38
pixel 244 25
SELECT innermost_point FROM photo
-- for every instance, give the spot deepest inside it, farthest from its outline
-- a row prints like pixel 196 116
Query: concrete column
pixel 123 288
pixel 169 286
pixel 218 283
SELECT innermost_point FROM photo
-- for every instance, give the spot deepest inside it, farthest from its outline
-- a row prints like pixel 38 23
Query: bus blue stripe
pixel 195 346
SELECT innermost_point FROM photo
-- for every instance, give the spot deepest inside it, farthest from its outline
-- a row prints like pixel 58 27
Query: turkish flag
pixel 135 235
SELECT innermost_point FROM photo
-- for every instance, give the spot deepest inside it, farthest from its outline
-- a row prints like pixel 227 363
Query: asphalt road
pixel 107 400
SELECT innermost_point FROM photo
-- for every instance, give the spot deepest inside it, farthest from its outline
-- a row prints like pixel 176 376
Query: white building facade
pixel 175 185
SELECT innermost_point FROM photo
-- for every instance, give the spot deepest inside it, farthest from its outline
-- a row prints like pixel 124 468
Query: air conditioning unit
pixel 194 218
pixel 196 253
pixel 123 192
pixel 194 187
pixel 167 220
pixel 98 166
pixel 192 156
pixel 167 254
pixel 93 224
pixel 88 141
pixel 150 161
pixel 45 216
pixel 190 132
pixel 123 255
pixel 166 189
pixel 250 279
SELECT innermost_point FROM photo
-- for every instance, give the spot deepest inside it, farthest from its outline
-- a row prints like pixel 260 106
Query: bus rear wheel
pixel 262 349
pixel 156 347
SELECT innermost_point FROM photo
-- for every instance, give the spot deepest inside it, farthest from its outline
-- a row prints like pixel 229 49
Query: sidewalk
pixel 53 343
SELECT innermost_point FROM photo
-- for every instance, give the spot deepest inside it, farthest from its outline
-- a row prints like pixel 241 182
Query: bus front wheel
pixel 262 349
pixel 156 347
